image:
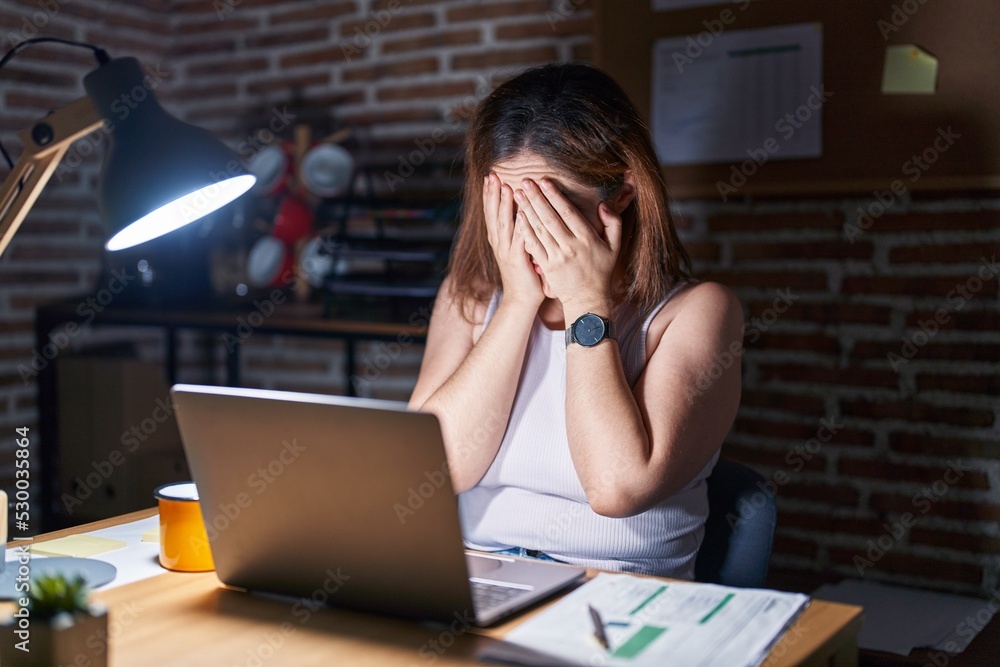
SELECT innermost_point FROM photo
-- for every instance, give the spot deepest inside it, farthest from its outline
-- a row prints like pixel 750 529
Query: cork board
pixel 871 141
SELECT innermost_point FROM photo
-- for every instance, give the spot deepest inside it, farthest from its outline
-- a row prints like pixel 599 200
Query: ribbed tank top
pixel 531 496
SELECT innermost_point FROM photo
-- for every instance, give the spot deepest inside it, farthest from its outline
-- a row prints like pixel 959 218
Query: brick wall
pixel 875 428
pixel 870 379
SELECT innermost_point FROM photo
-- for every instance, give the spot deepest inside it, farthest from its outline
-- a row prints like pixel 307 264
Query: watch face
pixel 589 330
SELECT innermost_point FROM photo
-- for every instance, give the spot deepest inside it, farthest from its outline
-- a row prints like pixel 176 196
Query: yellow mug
pixel 184 543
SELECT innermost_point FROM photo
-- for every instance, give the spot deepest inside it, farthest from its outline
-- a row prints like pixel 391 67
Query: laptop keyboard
pixel 488 596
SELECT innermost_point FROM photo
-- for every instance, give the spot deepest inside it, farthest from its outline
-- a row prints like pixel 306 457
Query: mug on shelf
pixel 273 166
pixel 327 170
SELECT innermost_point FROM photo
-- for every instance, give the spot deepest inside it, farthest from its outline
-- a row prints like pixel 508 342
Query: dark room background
pixel 872 347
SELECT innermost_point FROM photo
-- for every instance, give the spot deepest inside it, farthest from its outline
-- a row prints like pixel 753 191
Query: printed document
pixel 652 622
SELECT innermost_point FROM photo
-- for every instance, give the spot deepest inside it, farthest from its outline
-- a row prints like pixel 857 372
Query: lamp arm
pixel 45 143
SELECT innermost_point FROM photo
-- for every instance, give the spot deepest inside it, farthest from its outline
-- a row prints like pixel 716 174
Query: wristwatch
pixel 589 329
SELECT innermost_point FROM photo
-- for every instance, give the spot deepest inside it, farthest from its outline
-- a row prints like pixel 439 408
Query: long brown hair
pixel 583 124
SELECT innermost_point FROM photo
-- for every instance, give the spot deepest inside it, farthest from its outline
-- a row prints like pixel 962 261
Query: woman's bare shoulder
pixel 705 301
pixel 467 312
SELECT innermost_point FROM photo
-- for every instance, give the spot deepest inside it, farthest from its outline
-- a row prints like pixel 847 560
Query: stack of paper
pixel 651 622
pixel 899 619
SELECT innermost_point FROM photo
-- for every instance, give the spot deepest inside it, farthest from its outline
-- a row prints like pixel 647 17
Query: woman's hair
pixel 583 124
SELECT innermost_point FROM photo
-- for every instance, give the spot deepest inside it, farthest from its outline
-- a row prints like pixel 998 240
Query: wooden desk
pixel 191 620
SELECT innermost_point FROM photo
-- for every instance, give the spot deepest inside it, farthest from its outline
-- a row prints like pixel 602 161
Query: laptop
pixel 345 501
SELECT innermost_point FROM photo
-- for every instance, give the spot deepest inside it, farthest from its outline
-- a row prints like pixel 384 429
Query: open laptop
pixel 346 501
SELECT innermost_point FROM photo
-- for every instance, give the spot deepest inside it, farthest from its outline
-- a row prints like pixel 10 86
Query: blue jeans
pixel 526 553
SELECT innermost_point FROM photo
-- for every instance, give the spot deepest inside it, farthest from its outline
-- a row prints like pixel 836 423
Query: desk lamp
pixel 159 174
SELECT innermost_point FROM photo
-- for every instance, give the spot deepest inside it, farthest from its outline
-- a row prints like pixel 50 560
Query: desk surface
pixel 191 619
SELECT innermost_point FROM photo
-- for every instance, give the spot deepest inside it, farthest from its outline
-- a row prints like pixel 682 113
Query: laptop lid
pixel 329 498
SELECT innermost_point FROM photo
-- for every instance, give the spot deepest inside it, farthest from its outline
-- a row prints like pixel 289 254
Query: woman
pixel 589 446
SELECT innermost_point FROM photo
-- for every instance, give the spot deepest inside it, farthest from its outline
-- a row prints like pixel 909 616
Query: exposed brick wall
pixel 851 438
pixel 870 380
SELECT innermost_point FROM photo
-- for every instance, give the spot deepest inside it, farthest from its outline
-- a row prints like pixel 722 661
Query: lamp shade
pixel 159 173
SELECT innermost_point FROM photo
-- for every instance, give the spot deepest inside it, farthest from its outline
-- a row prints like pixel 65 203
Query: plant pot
pixel 80 639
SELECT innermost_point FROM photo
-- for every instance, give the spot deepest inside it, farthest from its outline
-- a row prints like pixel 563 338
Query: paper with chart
pixel 652 622
pixel 720 98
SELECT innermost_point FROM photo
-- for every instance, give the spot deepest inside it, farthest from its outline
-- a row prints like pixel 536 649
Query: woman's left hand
pixel 576 259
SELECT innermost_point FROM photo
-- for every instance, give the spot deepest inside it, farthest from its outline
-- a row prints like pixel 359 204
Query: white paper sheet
pixel 138 560
pixel 655 623
pixel 898 619
pixel 727 97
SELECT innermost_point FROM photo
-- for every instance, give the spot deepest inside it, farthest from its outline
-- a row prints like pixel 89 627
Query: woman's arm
pixel 470 385
pixel 633 448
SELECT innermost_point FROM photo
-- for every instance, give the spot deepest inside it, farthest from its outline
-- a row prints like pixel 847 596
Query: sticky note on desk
pixel 77 546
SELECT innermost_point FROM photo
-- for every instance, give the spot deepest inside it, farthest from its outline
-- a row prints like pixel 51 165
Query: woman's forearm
pixel 474 404
pixel 634 446
pixel 608 439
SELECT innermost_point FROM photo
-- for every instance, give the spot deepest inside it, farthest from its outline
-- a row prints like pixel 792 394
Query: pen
pixel 598 627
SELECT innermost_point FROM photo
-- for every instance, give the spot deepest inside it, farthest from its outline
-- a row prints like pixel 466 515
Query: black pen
pixel 598 627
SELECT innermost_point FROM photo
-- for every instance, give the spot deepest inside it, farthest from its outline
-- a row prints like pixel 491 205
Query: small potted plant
pixel 62 627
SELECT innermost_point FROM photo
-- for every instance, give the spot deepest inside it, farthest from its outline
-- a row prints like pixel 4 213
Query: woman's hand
pixel 518 277
pixel 576 259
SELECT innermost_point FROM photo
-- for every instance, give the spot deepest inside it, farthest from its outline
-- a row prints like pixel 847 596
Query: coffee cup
pixel 184 545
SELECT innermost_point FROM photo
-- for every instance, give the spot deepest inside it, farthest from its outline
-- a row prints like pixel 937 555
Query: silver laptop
pixel 345 501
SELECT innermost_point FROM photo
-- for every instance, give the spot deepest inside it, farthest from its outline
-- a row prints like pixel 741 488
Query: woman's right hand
pixel 518 277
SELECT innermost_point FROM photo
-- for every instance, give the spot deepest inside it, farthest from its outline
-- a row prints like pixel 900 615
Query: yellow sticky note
pixel 151 535
pixel 909 70
pixel 77 546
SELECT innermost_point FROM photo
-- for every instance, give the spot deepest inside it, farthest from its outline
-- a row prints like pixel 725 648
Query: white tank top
pixel 531 496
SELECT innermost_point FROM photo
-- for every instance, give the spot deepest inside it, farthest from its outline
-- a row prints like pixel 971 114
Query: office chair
pixel 739 530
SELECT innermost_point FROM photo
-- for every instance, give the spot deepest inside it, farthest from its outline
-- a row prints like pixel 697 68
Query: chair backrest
pixel 739 531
